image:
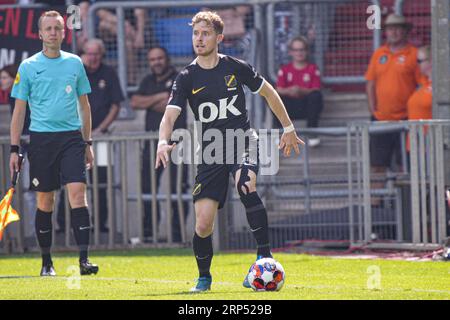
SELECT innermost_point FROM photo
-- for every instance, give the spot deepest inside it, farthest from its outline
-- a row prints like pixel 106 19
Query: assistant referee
pixel 54 82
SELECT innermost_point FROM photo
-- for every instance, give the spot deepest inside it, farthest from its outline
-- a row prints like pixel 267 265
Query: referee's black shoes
pixel 87 268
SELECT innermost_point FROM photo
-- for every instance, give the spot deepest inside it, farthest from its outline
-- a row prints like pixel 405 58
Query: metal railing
pixel 125 199
pixel 303 202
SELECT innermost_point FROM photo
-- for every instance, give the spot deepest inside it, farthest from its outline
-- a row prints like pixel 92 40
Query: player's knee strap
pixel 243 179
pixel 251 200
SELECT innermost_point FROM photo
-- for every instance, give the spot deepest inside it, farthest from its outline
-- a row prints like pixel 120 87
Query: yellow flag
pixel 7 213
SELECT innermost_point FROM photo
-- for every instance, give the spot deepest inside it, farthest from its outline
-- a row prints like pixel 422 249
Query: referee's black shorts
pixel 56 158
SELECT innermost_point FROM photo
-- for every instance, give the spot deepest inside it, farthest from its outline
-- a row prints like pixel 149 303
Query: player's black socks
pixel 203 250
pixel 81 227
pixel 44 233
pixel 257 219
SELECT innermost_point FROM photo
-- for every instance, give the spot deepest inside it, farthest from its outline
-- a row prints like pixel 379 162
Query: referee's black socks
pixel 257 219
pixel 81 227
pixel 203 250
pixel 44 233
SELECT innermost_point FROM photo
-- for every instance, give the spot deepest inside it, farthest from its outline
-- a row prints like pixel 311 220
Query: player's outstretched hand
pixel 288 141
pixel 162 155
pixel 89 157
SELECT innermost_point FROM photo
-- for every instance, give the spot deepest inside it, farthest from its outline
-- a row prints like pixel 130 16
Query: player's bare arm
pixel 165 132
pixel 86 128
pixel 289 139
pixel 18 119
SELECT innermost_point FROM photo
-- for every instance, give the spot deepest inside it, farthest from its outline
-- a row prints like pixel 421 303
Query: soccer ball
pixel 266 274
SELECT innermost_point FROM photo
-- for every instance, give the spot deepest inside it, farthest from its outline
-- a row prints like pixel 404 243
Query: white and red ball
pixel 266 274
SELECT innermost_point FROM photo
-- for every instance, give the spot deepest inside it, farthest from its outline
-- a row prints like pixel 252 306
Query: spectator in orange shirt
pixel 420 103
pixel 392 77
pixel 299 85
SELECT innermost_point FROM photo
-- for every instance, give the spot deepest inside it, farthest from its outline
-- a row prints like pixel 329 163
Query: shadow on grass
pixel 186 293
pixel 141 252
pixel 18 277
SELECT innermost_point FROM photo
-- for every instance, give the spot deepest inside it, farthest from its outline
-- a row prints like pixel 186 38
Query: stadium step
pixel 339 109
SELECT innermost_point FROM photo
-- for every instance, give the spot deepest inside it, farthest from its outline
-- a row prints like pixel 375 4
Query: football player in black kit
pixel 213 86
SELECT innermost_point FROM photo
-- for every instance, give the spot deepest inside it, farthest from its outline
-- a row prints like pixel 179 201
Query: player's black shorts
pixel 385 146
pixel 56 158
pixel 212 180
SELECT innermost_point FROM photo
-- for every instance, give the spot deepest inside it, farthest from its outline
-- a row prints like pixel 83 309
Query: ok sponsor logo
pixel 218 112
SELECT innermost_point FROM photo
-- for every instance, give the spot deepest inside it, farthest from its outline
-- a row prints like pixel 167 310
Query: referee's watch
pixel 88 142
pixel 14 148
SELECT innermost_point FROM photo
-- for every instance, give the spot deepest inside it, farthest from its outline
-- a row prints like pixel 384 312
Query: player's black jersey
pixel 216 96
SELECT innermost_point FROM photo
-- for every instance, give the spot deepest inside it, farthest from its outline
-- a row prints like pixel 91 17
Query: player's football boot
pixel 87 268
pixel 203 284
pixel 446 251
pixel 48 271
pixel 245 283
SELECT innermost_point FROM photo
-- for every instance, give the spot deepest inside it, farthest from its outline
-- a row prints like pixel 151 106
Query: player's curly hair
pixel 211 18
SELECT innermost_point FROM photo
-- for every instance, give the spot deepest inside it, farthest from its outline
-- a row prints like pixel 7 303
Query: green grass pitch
pixel 168 274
